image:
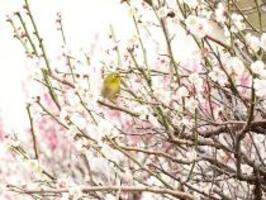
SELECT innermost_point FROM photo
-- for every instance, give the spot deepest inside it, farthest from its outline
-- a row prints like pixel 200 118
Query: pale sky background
pixel 83 19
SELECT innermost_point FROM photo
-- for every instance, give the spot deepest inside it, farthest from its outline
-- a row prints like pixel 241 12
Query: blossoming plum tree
pixel 178 130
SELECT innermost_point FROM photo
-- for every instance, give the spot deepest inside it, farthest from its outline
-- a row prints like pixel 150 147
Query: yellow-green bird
pixel 111 86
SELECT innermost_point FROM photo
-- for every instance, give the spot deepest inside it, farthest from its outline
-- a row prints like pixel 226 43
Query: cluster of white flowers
pixel 159 88
pixel 154 121
pixel 163 11
pixel 79 120
pixel 217 75
pixel 198 26
pixel 237 23
pixel 143 111
pixel 258 68
pixel 110 197
pixel 195 79
pixel 253 42
pixel 220 13
pixel 182 92
pixel 191 104
pixel 72 98
pixel 187 122
pixel 235 65
pixel 76 192
pixel 153 181
pixel 111 153
pixel 260 87
pixel 106 128
pixel 263 41
pixel 81 144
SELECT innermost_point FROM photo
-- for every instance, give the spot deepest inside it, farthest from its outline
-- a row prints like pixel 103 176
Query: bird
pixel 111 86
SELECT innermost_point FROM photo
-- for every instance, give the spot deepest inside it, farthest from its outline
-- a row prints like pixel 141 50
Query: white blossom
pixel 112 154
pixel 247 169
pixel 98 164
pixel 82 70
pixel 260 87
pixel 33 164
pixel 65 196
pixel 182 92
pixel 78 120
pixel 205 12
pixel 219 13
pixel 80 144
pixel 72 98
pixel 192 3
pixel 163 11
pixel 258 67
pixel 82 84
pixel 238 24
pixel 76 192
pixel 263 41
pixel 195 79
pixel 253 42
pixel 106 128
pixel 198 26
pixel 63 115
pixel 235 65
pixel 154 121
pixel 92 130
pixel 72 131
pixel 110 197
pixel 186 122
pixel 191 104
pixel 142 110
pixel 153 181
pixel 218 75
